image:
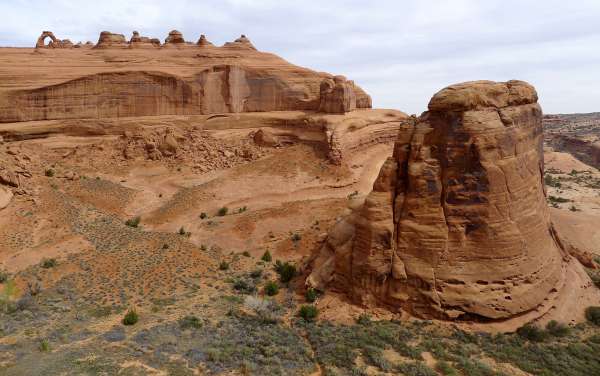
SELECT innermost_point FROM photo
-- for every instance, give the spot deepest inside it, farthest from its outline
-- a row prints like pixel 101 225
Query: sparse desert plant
pixel 557 329
pixel 3 276
pixel 182 231
pixel 246 254
pixel 445 368
pixel 131 317
pixel 271 288
pixel 573 208
pixel 296 237
pixel 223 211
pixel 190 322
pixel 44 345
pixel 244 286
pixel 532 333
pixel 311 295
pixel 48 263
pixel 133 222
pixel 257 273
pixel 266 257
pixel 308 312
pixel 224 265
pixel 593 315
pixel 363 319
pixel 285 270
pixel 203 215
pixel 49 172
pixel 267 310
pixel 242 209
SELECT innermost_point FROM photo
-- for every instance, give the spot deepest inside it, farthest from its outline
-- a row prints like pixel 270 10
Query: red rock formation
pixel 457 223
pixel 111 40
pixel 241 42
pixel 54 42
pixel 137 41
pixel 132 81
pixel 174 37
pixel 203 42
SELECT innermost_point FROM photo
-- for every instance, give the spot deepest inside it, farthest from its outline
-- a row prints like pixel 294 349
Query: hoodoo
pixel 457 224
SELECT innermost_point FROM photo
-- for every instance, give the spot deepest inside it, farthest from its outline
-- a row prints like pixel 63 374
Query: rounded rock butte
pixel 457 224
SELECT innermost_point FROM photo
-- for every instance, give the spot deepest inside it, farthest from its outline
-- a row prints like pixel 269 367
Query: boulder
pixel 457 223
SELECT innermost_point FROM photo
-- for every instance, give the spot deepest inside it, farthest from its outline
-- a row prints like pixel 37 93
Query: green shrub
pixel 190 321
pixel 285 270
pixel 223 211
pixel 531 333
pixel 311 295
pixel 49 172
pixel 131 317
pixel 593 315
pixel 445 368
pixel 257 273
pixel 363 319
pixel 203 215
pixel 49 263
pixel 224 265
pixel 133 222
pixel 557 329
pixel 44 345
pixel 3 276
pixel 308 312
pixel 266 257
pixel 244 286
pixel 271 288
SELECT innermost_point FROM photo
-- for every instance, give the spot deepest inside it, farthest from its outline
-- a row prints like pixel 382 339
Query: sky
pixel 401 52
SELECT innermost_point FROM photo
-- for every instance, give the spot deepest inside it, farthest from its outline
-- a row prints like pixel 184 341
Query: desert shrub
pixel 131 317
pixel 182 231
pixel 3 276
pixel 308 312
pixel 573 208
pixel 48 263
pixel 559 200
pixel 296 237
pixel 133 222
pixel 224 265
pixel 445 368
pixel 285 270
pixel 363 319
pixel 271 288
pixel 203 215
pixel 44 345
pixel 416 369
pixel 244 286
pixel 268 311
pixel 190 322
pixel 246 254
pixel 593 315
pixel 311 295
pixel 557 329
pixel 223 211
pixel 255 274
pixel 531 333
pixel 266 257
pixel 49 172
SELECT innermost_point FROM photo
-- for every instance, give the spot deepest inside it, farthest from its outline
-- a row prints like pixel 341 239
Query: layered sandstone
pixel 457 224
pixel 175 37
pixel 54 42
pixel 117 80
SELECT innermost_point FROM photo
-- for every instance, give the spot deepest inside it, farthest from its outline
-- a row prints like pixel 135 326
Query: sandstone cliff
pixel 457 224
pixel 119 79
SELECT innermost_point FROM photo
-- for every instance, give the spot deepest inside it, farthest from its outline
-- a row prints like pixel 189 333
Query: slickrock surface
pixel 457 224
pixel 116 79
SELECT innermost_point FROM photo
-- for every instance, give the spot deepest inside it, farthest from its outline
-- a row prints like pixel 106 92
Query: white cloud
pixel 401 52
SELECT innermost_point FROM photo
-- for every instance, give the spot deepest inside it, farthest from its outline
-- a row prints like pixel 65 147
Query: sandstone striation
pixel 457 224
pixel 119 79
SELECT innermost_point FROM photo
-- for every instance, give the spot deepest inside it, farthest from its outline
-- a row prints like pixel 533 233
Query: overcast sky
pixel 400 52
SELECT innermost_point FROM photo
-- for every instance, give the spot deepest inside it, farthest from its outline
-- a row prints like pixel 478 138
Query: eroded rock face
pixel 457 223
pixel 137 41
pixel 111 40
pixel 175 37
pixel 54 42
pixel 203 42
